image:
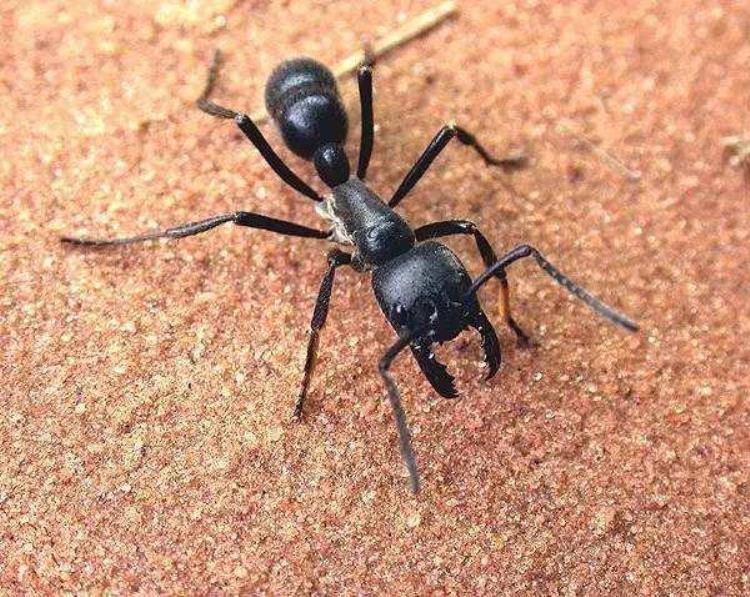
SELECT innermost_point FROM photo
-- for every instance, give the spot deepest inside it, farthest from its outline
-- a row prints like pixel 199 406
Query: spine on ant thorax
pixel 303 100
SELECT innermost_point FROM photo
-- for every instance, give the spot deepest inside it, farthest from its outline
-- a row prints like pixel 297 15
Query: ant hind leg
pixel 364 80
pixel 252 132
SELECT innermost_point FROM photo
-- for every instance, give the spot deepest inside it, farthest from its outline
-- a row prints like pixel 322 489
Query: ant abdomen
pixel 303 99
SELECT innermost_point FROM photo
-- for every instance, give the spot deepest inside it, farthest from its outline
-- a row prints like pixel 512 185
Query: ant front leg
pixel 336 259
pixel 436 146
pixel 452 227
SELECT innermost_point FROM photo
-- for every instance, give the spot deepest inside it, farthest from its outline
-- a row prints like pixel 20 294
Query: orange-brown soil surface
pixel 146 392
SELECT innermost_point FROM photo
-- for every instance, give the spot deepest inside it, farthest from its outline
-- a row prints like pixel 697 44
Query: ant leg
pixel 451 227
pixel 251 131
pixel 240 218
pixel 364 79
pixel 404 436
pixel 522 338
pixel 579 292
pixel 437 145
pixel 336 258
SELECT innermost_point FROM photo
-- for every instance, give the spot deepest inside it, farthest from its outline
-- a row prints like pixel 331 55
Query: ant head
pixel 422 290
pixel 332 164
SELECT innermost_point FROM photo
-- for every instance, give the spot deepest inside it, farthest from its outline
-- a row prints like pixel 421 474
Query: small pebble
pixel 414 520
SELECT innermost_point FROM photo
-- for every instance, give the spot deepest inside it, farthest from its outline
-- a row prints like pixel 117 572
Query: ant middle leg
pixel 336 259
pixel 452 227
pixel 253 134
pixel 239 218
pixel 436 146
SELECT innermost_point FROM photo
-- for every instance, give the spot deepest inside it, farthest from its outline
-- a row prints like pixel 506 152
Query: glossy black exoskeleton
pixel 422 287
pixel 302 98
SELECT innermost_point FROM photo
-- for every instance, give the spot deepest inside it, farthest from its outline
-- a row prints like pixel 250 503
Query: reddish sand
pixel 147 392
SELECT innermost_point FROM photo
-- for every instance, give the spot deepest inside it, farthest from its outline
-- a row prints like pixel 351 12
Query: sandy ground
pixel 146 398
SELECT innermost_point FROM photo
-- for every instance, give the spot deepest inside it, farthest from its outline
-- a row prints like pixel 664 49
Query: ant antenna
pixel 404 435
pixel 578 291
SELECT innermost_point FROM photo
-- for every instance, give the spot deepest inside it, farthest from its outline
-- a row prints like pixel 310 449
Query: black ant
pixel 423 289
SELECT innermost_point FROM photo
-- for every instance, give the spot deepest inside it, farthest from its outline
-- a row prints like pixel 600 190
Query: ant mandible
pixel 421 286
